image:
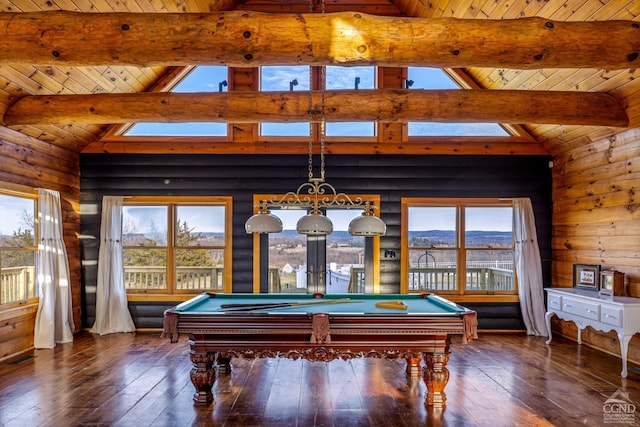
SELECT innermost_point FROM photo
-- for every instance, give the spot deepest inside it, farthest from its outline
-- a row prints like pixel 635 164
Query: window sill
pixel 482 298
pixel 477 298
pixel 14 310
pixel 161 297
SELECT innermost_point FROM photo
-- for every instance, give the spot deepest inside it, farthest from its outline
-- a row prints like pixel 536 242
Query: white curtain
pixel 54 320
pixel 112 312
pixel 529 268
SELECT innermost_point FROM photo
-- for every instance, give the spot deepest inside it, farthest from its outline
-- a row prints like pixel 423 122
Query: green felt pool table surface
pixel 416 304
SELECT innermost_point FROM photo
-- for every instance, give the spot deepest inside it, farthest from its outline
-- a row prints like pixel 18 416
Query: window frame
pixel 461 293
pixel 24 192
pixel 316 84
pixel 171 203
pixel 312 79
pixel 375 123
pixel 175 80
pixel 374 199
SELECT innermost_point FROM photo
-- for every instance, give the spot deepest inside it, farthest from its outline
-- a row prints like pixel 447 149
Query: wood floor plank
pixel 314 402
pixel 282 403
pixel 139 380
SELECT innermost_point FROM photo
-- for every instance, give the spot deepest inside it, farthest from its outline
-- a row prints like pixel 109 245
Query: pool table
pixel 417 327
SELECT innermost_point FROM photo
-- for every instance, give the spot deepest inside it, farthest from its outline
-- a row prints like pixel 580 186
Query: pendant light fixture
pixel 316 195
pixel 367 224
pixel 263 222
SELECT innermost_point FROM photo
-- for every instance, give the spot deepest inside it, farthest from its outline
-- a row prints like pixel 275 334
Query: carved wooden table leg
pixel 224 364
pixel 202 375
pixel 413 366
pixel 436 376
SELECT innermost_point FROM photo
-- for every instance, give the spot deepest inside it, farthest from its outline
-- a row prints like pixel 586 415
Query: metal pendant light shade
pixel 314 224
pixel 367 225
pixel 263 222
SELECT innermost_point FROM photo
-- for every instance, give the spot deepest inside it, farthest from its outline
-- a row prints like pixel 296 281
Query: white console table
pixel 587 308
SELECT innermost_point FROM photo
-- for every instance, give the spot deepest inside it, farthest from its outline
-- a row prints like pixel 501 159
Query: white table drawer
pixel 611 315
pixel 554 301
pixel 590 310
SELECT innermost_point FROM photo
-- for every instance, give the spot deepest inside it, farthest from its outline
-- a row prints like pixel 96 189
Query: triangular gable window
pixel 200 79
pixel 435 78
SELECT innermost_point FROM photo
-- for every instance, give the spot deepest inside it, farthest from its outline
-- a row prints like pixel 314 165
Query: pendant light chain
pixel 310 107
pixel 323 125
pixel 323 128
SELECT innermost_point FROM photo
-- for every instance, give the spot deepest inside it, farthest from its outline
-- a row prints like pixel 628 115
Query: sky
pixel 444 218
pixel 282 78
pixel 202 219
pixel 11 210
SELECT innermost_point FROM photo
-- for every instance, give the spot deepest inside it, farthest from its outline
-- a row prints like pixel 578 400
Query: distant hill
pixel 335 235
pixel 480 238
pixel 474 238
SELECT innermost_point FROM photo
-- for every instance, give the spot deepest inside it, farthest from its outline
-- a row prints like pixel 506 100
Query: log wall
pixel 34 163
pixel 241 176
pixel 596 219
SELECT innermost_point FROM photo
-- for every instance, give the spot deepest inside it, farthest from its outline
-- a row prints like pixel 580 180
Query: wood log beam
pixel 212 145
pixel 382 105
pixel 247 39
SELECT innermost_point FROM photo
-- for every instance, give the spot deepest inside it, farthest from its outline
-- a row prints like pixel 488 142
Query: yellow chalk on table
pixel 397 305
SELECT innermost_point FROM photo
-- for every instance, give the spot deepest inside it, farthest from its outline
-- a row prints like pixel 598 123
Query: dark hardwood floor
pixel 142 380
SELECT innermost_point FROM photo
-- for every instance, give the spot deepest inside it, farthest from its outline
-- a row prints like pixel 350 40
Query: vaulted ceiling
pixel 612 108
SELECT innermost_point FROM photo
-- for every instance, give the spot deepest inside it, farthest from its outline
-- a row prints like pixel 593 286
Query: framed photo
pixel 586 276
pixel 612 282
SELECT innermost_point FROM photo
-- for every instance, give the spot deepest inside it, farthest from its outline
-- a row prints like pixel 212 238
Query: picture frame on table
pixel 612 283
pixel 586 276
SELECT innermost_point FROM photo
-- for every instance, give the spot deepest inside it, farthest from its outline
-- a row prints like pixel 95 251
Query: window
pixel 181 246
pixel 282 78
pixel 340 78
pixel 435 78
pixel 289 262
pixel 297 77
pixel 458 246
pixel 200 79
pixel 18 247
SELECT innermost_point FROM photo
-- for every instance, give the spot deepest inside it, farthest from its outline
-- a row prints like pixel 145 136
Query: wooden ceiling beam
pixel 203 145
pixel 383 105
pixel 247 39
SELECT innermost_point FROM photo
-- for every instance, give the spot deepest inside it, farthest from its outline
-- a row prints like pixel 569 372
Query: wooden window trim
pixel 24 192
pixel 461 295
pixel 170 202
pixel 373 198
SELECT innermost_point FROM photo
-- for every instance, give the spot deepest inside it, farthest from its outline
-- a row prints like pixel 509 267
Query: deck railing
pixel 356 280
pixel 17 284
pixel 487 279
pixel 187 278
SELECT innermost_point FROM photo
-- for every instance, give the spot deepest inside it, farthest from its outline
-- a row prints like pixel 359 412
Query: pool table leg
pixel 202 375
pixel 436 376
pixel 413 366
pixel 224 364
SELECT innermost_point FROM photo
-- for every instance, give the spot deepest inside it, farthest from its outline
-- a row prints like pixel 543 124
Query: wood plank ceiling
pixel 19 80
